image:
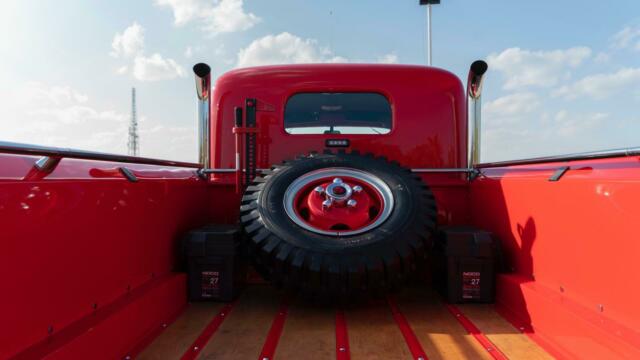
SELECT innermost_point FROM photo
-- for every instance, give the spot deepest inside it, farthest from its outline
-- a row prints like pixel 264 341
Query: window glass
pixel 337 113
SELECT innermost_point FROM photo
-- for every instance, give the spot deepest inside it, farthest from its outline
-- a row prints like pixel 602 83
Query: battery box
pixel 216 267
pixel 465 265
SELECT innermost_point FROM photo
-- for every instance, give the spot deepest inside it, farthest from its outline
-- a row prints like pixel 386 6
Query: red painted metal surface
pixel 428 108
pixel 206 334
pixel 80 335
pixel 524 325
pixel 476 333
pixel 409 336
pixel 309 201
pixel 273 337
pixel 113 331
pixel 73 242
pixel 572 245
pixel 343 351
pixel 429 127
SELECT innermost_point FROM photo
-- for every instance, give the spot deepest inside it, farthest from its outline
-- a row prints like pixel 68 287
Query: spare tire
pixel 335 224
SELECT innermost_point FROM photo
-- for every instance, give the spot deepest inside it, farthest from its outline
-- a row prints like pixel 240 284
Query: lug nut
pixel 319 190
pixel 351 203
pixel 326 203
pixel 357 189
pixel 337 180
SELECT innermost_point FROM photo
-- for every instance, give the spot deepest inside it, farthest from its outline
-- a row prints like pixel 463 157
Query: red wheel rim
pixel 338 201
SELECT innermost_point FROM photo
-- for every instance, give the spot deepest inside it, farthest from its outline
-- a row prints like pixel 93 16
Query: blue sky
pixel 564 76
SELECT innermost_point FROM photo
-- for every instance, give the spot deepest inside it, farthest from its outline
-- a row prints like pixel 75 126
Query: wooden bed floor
pixel 262 324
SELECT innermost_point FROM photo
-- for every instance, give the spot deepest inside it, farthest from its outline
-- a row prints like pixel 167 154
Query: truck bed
pixel 265 324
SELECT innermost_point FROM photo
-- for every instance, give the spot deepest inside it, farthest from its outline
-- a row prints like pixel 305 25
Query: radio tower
pixel 133 146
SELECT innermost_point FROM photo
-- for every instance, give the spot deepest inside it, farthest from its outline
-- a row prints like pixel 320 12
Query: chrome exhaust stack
pixel 202 74
pixel 474 92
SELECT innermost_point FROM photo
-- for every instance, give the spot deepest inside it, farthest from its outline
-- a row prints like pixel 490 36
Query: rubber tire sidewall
pixel 403 189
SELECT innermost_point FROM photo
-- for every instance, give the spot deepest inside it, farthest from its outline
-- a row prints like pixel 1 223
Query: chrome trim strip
pixel 29 149
pixel 633 151
pixel 214 171
pixel 225 171
pixel 416 170
pixel 442 170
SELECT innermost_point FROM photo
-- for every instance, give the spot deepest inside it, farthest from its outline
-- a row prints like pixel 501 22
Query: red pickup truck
pixel 341 178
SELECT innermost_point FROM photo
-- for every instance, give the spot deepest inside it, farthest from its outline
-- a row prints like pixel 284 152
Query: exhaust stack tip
pixel 476 74
pixel 479 67
pixel 201 69
pixel 203 80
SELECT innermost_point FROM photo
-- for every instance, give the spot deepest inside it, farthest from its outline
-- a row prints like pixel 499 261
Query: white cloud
pixel 570 124
pixel 155 67
pixel 511 105
pixel 228 16
pixel 627 38
pixel 60 116
pixel 536 68
pixel 601 86
pixel 168 142
pixel 285 48
pixel 496 140
pixel 541 134
pixel 188 52
pixel 602 58
pixel 128 43
pixel 184 11
pixel 390 58
pixel 215 17
pixel 50 96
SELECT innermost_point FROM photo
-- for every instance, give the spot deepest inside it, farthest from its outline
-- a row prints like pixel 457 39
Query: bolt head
pixel 351 203
pixel 357 189
pixel 319 190
pixel 326 203
pixel 337 181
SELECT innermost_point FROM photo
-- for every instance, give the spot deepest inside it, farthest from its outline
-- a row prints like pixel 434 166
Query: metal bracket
pixel 474 174
pixel 128 174
pixel 47 164
pixel 559 173
pixel 201 173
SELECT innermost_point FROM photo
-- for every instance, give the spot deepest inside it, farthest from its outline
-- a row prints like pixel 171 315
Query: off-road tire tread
pixel 317 273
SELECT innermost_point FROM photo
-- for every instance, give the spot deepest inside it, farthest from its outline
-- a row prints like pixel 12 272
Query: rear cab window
pixel 337 114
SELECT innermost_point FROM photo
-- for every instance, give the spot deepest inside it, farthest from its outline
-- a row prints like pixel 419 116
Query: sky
pixel 564 75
